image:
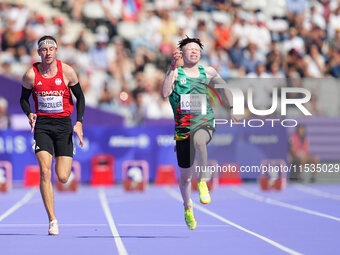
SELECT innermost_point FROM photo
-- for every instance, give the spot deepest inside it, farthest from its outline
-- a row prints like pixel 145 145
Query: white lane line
pixel 20 203
pixel 175 195
pixel 316 192
pixel 170 225
pixel 263 199
pixel 120 246
pixel 38 225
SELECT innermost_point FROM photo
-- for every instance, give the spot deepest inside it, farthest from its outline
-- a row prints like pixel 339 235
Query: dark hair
pixel 45 37
pixel 303 127
pixel 187 40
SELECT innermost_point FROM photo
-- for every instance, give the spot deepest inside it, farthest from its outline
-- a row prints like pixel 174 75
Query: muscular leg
pixel 63 168
pixel 185 185
pixel 201 138
pixel 46 189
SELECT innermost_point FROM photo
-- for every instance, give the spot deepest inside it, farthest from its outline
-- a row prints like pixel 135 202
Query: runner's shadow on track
pixel 138 237
pixel 13 234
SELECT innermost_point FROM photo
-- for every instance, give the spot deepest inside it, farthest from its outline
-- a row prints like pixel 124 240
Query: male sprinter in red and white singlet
pixel 50 81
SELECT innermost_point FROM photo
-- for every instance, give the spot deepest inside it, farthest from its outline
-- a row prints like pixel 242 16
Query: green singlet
pixel 190 104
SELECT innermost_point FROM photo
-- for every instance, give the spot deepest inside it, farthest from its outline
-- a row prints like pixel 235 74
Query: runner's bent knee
pixel 45 173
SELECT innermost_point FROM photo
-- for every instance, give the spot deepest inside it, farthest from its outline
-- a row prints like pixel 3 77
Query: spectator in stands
pixel 187 20
pixel 22 60
pixel 77 8
pixel 261 36
pixel 113 10
pixel 5 122
pixel 294 42
pixel 315 62
pixel 5 69
pixel 334 63
pixel 10 40
pixel 151 100
pixel 93 13
pixel 206 38
pixel 277 27
pixel 166 4
pixel 38 25
pixel 29 41
pixel 149 26
pixel 314 20
pixel 299 154
pixel 131 9
pixel 106 96
pixel 101 55
pixel 326 9
pixel 168 30
pixel 4 10
pixel 241 28
pixel 252 59
pixel 236 53
pixel 18 17
pixel 295 12
pixel 335 41
pixel 68 52
pixel 274 71
pixel 222 33
pixel 123 65
pixel 220 61
pixel 294 62
pixel 83 60
pixel 274 55
pixel 316 35
pixel 334 22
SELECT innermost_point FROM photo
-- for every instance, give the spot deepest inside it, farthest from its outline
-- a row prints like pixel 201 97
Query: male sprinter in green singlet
pixel 188 87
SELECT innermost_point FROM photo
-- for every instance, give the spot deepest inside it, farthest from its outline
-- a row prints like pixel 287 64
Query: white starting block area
pixel 5 176
pixel 72 184
pixel 273 175
pixel 135 175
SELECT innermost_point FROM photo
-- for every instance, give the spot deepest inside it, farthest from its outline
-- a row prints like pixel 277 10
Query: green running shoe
pixel 204 192
pixel 190 219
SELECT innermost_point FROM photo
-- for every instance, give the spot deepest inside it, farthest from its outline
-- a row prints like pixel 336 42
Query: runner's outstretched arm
pixel 214 78
pixel 27 86
pixel 78 93
pixel 171 76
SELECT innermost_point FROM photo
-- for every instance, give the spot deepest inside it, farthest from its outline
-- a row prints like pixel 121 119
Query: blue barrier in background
pixel 244 145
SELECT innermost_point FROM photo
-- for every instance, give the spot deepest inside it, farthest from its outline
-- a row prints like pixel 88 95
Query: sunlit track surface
pixel 239 220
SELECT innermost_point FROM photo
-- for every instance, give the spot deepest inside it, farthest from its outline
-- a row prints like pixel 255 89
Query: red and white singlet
pixel 51 95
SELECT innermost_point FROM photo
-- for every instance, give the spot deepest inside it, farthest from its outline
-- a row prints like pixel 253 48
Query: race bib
pixel 50 104
pixel 194 103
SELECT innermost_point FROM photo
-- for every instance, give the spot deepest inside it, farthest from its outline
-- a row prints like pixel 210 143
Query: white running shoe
pixel 53 229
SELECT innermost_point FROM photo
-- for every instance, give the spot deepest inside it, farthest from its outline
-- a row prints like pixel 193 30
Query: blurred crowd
pixel 122 68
